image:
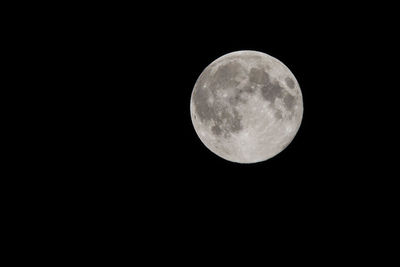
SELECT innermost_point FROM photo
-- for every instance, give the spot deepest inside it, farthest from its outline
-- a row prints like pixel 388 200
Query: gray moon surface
pixel 246 106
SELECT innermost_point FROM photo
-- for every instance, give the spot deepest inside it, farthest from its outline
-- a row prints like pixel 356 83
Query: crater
pixel 289 101
pixel 289 82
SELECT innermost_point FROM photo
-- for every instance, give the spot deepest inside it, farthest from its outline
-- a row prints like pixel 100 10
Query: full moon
pixel 246 106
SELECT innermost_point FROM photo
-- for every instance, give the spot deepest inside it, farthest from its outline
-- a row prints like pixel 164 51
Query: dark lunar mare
pixel 271 90
pixel 289 101
pixel 224 77
pixel 226 118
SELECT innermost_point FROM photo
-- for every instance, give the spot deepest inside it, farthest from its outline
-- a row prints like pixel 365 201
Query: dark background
pixel 111 150
pixel 136 70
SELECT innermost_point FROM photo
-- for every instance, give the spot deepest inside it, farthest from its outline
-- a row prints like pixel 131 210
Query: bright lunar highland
pixel 246 106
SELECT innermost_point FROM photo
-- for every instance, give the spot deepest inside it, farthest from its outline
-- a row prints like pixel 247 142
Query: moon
pixel 246 106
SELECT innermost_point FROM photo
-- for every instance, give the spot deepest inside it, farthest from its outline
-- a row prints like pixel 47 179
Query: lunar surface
pixel 246 106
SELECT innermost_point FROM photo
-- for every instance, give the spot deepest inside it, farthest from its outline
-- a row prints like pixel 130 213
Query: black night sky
pixel 146 68
pixel 114 151
pixel 129 87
